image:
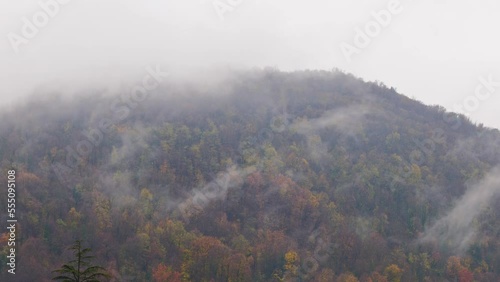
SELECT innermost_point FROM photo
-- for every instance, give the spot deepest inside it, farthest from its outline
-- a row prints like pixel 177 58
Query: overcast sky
pixel 437 51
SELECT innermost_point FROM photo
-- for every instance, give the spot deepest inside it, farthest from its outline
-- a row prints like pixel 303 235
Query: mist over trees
pixel 258 175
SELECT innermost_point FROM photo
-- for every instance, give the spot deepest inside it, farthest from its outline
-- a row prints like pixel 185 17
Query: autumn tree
pixel 393 273
pixel 205 260
pixel 238 268
pixel 347 277
pixel 465 275
pixel 377 277
pixel 456 269
pixel 291 263
pixel 163 273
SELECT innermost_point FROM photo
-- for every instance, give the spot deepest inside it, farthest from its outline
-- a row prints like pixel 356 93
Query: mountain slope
pixel 259 176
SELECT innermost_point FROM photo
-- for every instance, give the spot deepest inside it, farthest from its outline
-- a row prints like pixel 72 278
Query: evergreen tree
pixel 81 269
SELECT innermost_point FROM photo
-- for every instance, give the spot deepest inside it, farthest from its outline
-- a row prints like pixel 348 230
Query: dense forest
pixel 261 175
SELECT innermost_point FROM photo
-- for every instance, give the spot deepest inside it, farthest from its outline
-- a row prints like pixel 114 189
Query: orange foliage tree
pixel 163 273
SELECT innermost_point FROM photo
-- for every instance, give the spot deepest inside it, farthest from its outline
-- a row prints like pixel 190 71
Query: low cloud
pixel 347 121
pixel 457 229
pixel 216 189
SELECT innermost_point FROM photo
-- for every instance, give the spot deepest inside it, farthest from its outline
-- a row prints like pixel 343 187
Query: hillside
pixel 260 176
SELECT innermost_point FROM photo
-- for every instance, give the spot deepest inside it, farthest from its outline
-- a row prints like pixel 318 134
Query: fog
pixel 459 227
pixel 435 50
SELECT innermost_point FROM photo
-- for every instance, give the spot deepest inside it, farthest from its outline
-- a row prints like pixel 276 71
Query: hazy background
pixel 434 50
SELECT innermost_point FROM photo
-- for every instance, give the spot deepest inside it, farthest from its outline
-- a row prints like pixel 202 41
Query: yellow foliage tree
pixel 291 259
pixel 347 277
pixel 393 273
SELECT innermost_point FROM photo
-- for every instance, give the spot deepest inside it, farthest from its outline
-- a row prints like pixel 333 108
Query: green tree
pixel 81 269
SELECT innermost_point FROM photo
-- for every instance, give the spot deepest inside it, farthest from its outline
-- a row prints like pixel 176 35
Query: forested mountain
pixel 260 176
